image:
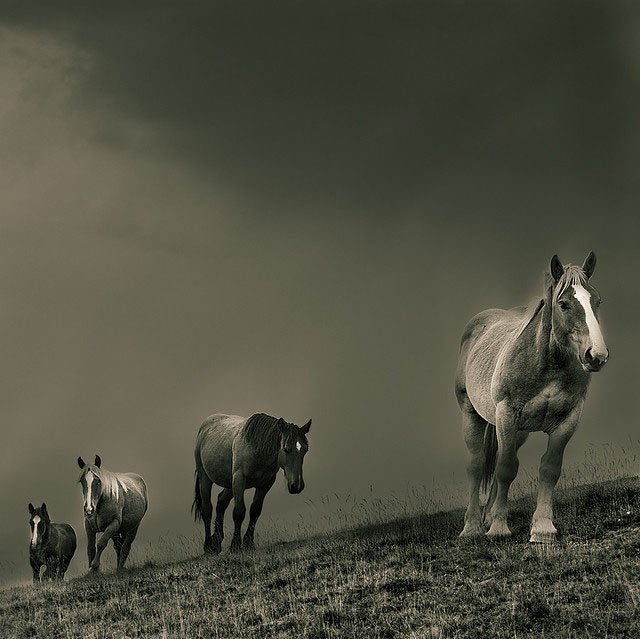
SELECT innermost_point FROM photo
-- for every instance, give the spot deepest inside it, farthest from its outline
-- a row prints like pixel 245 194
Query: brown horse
pixel 526 370
pixel 52 545
pixel 238 453
pixel 114 504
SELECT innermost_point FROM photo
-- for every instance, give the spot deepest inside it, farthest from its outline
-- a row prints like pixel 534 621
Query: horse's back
pixel 136 499
pixel 214 447
pixel 483 339
pixel 67 540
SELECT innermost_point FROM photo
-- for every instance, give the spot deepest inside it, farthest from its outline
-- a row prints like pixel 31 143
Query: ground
pixel 408 578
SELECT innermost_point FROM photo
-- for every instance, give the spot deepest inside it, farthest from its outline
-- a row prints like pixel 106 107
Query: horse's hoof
pixel 212 549
pixel 472 531
pixel 249 546
pixel 546 538
pixel 499 531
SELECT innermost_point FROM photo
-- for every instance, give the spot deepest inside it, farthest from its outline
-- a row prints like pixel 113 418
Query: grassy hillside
pixel 406 578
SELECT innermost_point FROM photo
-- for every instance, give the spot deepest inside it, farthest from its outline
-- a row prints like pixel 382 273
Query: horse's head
pixel 91 482
pixel 294 446
pixel 575 313
pixel 39 521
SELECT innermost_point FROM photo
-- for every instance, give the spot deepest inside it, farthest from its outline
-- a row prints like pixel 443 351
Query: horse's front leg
pixel 239 509
pixel 91 541
pixel 506 469
pixel 254 512
pixel 109 531
pixel 542 528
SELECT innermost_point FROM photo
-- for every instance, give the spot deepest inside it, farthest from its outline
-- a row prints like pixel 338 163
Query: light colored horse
pixel 525 370
pixel 52 545
pixel 239 453
pixel 114 504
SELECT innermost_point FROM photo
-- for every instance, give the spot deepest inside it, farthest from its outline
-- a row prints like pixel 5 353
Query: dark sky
pixel 295 208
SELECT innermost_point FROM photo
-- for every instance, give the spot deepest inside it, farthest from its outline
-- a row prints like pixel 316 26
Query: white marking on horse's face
pixel 598 346
pixel 34 535
pixel 298 446
pixel 89 479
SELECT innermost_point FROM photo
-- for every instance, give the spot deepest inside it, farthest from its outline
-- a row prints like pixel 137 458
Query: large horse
pixel 52 545
pixel 114 504
pixel 239 453
pixel 524 370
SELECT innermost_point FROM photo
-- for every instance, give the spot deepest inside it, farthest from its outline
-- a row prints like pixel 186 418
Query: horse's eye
pixel 564 305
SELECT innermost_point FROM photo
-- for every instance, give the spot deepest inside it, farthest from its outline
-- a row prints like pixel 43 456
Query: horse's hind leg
pixel 473 427
pixel 254 513
pixel 125 546
pixel 204 486
pixel 239 510
pixel 117 545
pixel 224 498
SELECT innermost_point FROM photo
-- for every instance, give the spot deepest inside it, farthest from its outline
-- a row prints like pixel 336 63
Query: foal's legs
pixel 473 427
pixel 542 528
pixel 35 568
pixel 239 510
pixel 254 512
pixel 117 544
pixel 204 486
pixel 224 498
pixel 506 469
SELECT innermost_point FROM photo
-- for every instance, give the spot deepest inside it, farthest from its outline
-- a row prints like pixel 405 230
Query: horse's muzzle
pixel 296 489
pixel 593 362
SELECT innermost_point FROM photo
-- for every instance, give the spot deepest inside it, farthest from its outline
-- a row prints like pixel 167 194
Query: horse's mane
pixel 263 433
pixel 111 483
pixel 573 276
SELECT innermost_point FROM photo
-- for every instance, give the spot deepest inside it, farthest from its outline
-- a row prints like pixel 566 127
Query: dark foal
pixel 52 545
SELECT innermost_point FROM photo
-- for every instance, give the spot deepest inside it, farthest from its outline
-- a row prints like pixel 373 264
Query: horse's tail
pixel 490 455
pixel 196 506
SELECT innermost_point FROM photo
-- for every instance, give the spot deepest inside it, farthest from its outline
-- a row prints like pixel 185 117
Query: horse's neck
pixel 546 352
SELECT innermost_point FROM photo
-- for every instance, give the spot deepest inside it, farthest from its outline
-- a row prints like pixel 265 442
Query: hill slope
pixel 406 578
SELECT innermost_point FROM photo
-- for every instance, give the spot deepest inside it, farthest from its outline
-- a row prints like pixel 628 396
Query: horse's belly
pixel 216 456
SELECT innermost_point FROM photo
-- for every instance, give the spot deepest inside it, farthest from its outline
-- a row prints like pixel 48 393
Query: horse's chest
pixel 545 411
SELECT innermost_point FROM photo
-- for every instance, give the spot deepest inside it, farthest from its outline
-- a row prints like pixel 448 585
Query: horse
pixel 524 370
pixel 114 505
pixel 237 453
pixel 52 545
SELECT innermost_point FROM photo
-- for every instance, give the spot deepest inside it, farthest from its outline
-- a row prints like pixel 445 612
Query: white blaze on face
pixel 89 479
pixel 34 534
pixel 298 446
pixel 597 340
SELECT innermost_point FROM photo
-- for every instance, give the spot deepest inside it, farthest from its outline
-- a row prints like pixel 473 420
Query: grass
pixel 410 577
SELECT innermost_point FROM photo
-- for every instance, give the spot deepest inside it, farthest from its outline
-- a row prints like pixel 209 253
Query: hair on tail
pixel 196 506
pixel 490 455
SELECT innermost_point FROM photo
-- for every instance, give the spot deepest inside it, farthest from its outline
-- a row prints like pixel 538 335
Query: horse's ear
pixel 31 509
pixel 81 462
pixel 589 265
pixel 97 461
pixel 43 508
pixel 306 428
pixel 556 268
pixel 282 425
